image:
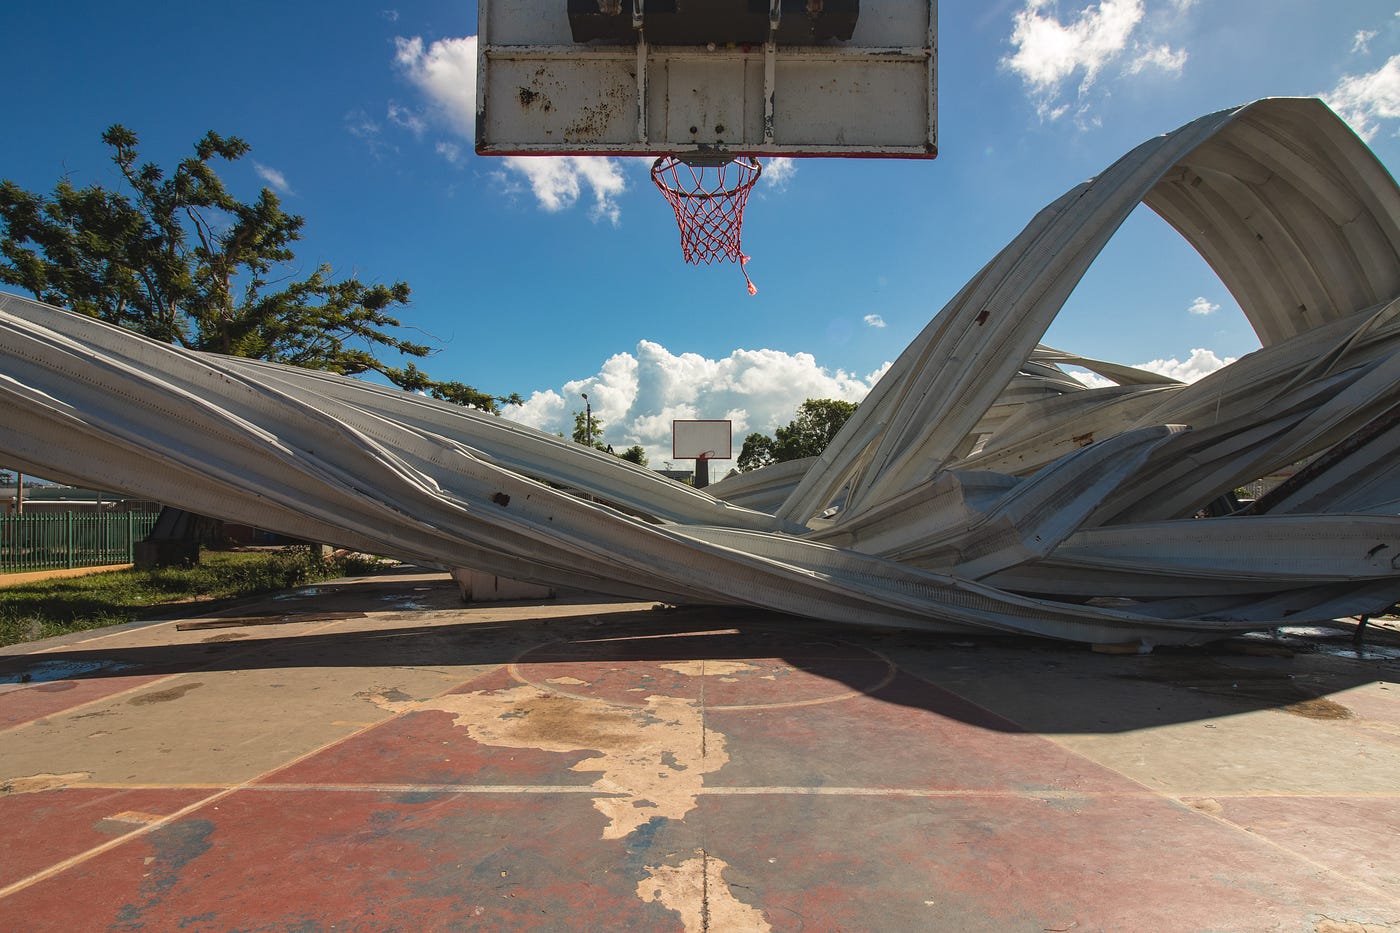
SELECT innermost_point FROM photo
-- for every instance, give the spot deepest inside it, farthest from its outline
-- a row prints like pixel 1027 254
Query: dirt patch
pixel 35 783
pixel 163 696
pixel 380 695
pixel 1319 708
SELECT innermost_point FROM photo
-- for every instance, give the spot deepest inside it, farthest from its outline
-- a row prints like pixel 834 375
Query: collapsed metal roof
pixel 978 487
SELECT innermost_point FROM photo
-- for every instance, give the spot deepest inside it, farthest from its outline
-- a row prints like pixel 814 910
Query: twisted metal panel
pixel 978 487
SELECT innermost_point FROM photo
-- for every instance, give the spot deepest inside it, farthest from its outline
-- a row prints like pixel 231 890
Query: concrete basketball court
pixel 374 755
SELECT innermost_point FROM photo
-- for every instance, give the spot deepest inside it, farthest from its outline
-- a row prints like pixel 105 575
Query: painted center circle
pixel 722 670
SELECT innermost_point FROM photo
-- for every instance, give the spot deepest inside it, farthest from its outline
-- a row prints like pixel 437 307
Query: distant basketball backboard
pixel 702 440
pixel 709 78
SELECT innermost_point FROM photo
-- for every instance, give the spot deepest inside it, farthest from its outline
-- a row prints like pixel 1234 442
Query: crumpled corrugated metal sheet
pixel 978 487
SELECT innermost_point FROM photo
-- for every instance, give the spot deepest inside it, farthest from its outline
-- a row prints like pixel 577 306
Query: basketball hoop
pixel 709 204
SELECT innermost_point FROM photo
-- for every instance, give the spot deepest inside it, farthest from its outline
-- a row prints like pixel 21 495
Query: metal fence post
pixel 32 542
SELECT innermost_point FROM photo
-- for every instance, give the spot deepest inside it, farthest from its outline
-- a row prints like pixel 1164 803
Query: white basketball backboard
pixel 702 440
pixel 758 77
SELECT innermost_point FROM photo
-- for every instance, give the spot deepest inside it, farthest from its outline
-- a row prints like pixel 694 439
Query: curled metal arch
pixel 1079 532
pixel 1317 238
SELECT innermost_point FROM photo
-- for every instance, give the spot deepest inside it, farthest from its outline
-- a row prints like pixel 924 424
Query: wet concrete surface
pixel 373 755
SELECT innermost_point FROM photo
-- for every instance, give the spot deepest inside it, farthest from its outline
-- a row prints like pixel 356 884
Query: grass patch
pixel 75 604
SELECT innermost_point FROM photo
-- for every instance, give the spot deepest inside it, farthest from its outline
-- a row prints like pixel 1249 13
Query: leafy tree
pixel 178 258
pixel 756 453
pixel 817 423
pixel 415 380
pixel 582 432
pixel 636 453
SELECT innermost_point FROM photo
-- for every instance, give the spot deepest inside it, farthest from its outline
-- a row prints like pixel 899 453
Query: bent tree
pixel 175 256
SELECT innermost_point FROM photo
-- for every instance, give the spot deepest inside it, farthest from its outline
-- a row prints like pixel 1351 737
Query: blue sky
pixel 569 278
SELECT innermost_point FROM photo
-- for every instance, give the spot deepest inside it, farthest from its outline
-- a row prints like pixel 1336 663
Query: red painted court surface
pixel 574 765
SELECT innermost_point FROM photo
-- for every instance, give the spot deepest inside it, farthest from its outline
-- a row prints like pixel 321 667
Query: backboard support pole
pixel 641 82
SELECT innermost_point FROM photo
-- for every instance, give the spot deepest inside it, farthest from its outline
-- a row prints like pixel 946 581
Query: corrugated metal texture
pixel 1272 409
pixel 1293 213
pixel 1068 537
pixel 942 385
pixel 763 489
pixel 334 470
pixel 1334 243
pixel 1214 557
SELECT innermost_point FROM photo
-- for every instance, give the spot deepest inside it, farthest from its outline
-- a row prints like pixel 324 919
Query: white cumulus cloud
pixel 778 172
pixel 1365 100
pixel 637 395
pixel 874 320
pixel 557 181
pixel 1203 306
pixel 1161 57
pixel 1361 43
pixel 1200 364
pixel 1049 51
pixel 444 71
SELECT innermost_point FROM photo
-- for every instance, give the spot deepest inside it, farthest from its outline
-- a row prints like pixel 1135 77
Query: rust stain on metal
pixel 1083 440
pixel 592 123
pixel 529 97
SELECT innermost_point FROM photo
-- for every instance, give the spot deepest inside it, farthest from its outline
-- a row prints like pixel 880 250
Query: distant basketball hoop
pixel 708 195
pixel 702 441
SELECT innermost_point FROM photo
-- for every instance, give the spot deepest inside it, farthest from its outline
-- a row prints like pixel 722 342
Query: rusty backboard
pixel 541 92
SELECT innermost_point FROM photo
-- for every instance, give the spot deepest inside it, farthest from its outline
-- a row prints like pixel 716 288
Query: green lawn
pixel 55 607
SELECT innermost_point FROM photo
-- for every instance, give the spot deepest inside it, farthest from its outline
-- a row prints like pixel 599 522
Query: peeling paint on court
pixel 695 890
pixel 652 759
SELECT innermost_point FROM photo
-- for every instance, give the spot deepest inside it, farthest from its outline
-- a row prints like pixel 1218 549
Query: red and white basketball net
pixel 709 205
